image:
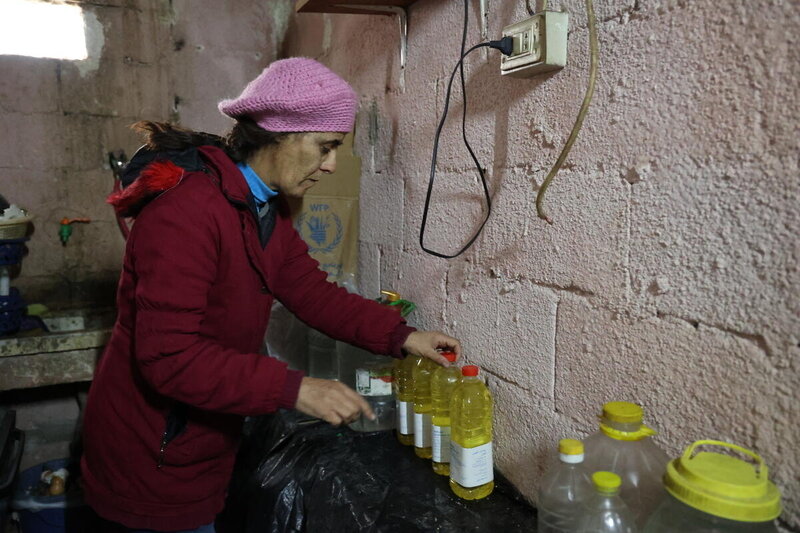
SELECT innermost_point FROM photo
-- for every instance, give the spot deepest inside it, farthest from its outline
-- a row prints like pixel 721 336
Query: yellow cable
pixel 587 99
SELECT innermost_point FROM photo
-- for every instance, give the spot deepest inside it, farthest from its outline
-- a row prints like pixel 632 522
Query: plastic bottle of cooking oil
pixel 422 406
pixel 623 446
pixel 564 490
pixel 404 393
pixel 471 466
pixel 443 381
pixel 606 512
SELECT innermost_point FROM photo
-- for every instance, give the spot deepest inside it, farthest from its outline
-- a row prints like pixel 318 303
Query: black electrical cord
pixel 505 45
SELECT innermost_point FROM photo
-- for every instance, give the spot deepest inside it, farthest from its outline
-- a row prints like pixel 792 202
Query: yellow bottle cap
pixel 624 412
pixel 722 485
pixel 570 447
pixel 606 481
pixel 391 296
pixel 617 434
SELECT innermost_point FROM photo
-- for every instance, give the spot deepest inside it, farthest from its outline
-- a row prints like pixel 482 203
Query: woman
pixel 212 245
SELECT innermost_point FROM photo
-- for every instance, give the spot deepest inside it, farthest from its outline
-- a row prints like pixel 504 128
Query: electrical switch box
pixel 540 45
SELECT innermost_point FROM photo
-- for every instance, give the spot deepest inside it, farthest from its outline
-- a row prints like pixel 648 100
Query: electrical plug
pixel 505 45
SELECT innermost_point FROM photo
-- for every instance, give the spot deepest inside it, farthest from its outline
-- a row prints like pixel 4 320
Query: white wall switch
pixel 540 45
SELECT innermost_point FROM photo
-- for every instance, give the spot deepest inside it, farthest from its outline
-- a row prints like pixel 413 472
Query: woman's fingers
pixel 334 402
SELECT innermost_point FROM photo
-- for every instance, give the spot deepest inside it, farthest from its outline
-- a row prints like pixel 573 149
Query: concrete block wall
pixel 669 276
pixel 148 59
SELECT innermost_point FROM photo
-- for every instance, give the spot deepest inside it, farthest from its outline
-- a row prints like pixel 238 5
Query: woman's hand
pixel 425 343
pixel 331 401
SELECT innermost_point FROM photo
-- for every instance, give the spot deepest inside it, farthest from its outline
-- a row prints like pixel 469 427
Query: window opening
pixel 42 29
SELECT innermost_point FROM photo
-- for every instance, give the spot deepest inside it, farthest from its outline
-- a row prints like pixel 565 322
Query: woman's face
pixel 297 162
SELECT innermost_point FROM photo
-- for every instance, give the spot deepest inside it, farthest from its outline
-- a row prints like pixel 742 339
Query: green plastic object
pixel 406 307
pixel 37 309
pixel 392 298
pixel 64 232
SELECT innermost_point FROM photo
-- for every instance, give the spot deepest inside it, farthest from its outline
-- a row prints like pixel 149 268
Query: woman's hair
pixel 245 138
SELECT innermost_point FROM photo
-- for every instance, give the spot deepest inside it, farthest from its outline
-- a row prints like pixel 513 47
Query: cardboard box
pixel 327 216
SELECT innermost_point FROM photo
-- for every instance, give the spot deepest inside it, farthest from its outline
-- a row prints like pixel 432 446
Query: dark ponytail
pixel 160 136
pixel 244 139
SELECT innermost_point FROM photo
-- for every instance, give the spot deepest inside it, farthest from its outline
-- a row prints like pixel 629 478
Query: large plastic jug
pixel 605 512
pixel 423 406
pixel 624 446
pixel 443 381
pixel 564 490
pixel 711 492
pixel 404 393
pixel 471 465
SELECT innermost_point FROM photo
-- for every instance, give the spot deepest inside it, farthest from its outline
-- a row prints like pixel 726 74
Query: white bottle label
pixel 403 423
pixel 471 467
pixel 374 382
pixel 422 430
pixel 440 441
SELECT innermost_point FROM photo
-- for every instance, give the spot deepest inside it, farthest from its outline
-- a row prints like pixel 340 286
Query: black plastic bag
pixel 296 475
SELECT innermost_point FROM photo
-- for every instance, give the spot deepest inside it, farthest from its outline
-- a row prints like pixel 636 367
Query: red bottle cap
pixel 469 371
pixel 450 356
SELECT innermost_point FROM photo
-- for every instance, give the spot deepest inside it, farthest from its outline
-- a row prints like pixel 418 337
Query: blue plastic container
pixel 49 514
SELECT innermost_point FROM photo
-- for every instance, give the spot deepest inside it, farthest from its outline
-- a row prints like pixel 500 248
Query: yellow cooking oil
pixel 471 465
pixel 404 393
pixel 443 381
pixel 421 375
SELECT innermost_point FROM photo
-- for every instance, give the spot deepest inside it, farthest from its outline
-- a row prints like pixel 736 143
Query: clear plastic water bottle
pixel 605 512
pixel 443 382
pixel 471 464
pixel 564 490
pixel 623 446
pixel 374 384
pixel 423 406
pixel 371 376
pixel 711 492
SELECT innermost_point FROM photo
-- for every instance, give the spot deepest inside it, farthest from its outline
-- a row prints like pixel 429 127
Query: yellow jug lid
pixel 722 485
pixel 570 447
pixel 606 481
pixel 625 412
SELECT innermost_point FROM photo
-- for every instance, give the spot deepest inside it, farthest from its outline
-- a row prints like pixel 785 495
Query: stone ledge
pixel 37 370
pixel 48 343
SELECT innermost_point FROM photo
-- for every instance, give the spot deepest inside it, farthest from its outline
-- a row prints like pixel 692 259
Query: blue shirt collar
pixel 260 191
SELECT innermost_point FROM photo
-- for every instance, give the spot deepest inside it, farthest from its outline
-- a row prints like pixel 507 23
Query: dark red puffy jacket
pixel 194 300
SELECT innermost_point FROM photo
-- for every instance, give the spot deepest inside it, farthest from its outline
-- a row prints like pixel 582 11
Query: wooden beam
pixel 335 6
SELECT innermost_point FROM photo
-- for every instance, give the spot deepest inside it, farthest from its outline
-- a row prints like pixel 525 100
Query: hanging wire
pixel 481 171
pixel 587 99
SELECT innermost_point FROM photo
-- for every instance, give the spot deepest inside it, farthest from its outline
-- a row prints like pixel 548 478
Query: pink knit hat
pixel 296 94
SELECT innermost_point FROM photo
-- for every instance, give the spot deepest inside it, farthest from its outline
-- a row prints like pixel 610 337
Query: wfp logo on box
pixel 321 228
